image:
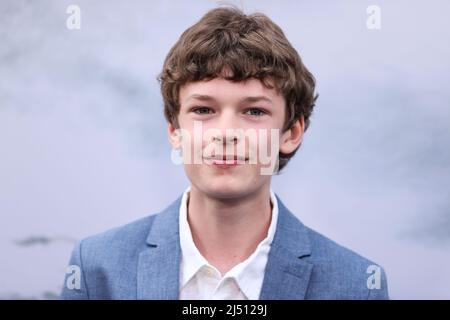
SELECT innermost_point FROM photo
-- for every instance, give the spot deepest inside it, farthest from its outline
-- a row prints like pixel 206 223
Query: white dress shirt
pixel 201 280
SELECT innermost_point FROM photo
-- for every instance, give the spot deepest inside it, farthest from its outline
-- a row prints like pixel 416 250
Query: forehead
pixel 228 91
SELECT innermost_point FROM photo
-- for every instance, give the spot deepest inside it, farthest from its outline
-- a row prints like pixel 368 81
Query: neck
pixel 227 231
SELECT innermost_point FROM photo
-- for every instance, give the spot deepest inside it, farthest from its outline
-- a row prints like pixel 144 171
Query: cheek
pixel 268 140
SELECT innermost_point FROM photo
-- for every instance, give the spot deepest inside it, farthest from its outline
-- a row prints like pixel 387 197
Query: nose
pixel 228 132
pixel 228 137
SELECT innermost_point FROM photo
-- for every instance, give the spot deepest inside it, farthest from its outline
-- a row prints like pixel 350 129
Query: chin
pixel 231 183
pixel 227 187
pixel 225 192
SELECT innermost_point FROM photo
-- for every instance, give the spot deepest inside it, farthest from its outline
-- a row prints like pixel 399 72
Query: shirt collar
pixel 248 274
pixel 192 260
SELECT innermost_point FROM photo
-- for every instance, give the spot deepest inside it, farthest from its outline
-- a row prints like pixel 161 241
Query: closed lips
pixel 227 158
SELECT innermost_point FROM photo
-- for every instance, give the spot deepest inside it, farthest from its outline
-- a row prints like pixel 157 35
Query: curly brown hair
pixel 227 43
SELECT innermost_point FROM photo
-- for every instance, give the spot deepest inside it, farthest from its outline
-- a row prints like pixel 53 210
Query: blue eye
pixel 255 112
pixel 202 110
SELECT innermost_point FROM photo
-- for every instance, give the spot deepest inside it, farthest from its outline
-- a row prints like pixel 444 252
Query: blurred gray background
pixel 83 144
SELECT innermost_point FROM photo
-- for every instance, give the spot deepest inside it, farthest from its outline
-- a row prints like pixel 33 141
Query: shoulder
pixel 326 250
pixel 130 236
pixel 133 236
pixel 107 263
pixel 336 271
pixel 339 269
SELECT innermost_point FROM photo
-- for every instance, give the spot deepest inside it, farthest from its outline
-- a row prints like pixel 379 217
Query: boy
pixel 237 99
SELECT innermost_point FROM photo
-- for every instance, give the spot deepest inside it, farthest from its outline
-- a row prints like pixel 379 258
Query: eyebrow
pixel 204 97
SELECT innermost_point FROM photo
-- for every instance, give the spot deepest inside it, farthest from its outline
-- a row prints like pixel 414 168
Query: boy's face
pixel 231 135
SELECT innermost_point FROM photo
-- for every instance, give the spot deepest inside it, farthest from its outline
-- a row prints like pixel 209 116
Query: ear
pixel 291 138
pixel 174 136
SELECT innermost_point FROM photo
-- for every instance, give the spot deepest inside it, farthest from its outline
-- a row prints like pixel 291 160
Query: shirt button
pixel 209 271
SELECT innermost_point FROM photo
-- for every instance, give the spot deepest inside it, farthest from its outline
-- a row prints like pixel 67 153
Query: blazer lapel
pixel 287 275
pixel 159 264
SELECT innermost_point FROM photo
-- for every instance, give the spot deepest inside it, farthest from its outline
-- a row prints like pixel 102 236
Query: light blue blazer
pixel 141 260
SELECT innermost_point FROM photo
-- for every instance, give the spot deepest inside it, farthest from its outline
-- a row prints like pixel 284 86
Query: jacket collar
pixel 159 265
pixel 286 275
